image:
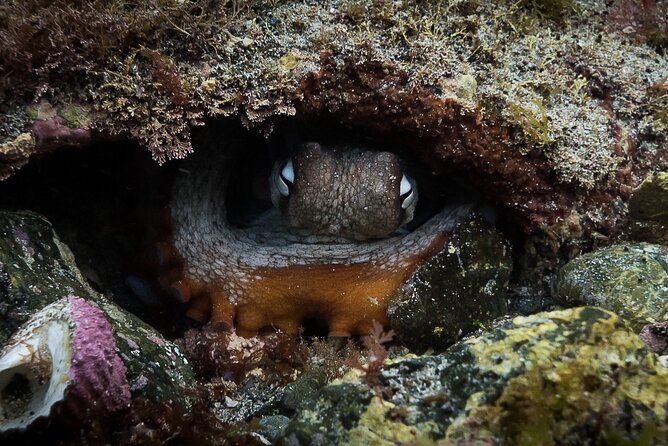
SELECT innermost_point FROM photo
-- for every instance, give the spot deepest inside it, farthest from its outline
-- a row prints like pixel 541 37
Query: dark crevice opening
pixel 108 202
pixel 105 202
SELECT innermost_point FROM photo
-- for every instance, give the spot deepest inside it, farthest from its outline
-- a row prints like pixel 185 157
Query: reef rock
pixel 648 210
pixel 656 337
pixel 576 376
pixel 456 291
pixel 86 339
pixel 629 279
pixel 62 363
pixel 544 108
pixel 36 269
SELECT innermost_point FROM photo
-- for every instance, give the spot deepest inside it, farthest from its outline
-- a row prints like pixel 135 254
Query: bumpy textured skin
pixel 273 277
pixel 351 193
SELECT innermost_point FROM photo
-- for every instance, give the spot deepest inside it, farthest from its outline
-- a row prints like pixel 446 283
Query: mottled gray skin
pixel 344 192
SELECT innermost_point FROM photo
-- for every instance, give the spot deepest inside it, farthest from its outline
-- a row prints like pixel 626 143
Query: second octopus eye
pixel 285 178
pixel 407 191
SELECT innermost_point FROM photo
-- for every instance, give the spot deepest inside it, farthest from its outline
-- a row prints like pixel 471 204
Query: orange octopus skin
pixel 252 278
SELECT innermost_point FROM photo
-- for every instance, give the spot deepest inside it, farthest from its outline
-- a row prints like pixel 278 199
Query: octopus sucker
pixel 333 249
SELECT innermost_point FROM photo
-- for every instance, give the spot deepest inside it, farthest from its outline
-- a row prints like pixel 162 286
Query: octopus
pixel 334 248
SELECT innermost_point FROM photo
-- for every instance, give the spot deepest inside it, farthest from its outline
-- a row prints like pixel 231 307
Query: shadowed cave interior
pixel 109 203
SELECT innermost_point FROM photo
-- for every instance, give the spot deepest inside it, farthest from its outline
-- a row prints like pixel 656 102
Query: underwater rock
pixel 158 370
pixel 272 425
pixel 525 104
pixel 47 133
pixel 37 269
pixel 79 359
pixel 576 376
pixel 455 292
pixel 62 363
pixel 253 397
pixel 56 132
pixel 629 279
pixel 304 390
pixel 648 210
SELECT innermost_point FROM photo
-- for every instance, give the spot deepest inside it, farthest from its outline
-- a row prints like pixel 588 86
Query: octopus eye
pixel 407 191
pixel 285 178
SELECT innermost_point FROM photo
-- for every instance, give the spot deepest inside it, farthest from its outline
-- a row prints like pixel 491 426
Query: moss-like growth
pixel 576 376
pixel 381 425
pixel 75 116
pixel 629 279
pixel 533 120
pixel 552 9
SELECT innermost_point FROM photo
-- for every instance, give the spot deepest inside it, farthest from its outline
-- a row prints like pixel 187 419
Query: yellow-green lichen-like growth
pixel 532 119
pixel 576 376
pixel 75 116
pixel 379 426
pixel 571 375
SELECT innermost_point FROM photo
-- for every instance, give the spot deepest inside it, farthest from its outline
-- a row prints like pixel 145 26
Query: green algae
pixel 629 279
pixel 533 120
pixel 75 116
pixel 575 376
pixel 377 427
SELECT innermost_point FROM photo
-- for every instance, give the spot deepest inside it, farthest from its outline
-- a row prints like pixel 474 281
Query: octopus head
pixel 350 193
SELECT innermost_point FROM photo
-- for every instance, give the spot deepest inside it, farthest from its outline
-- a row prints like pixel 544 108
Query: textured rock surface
pixel 576 376
pixel 455 292
pixel 551 103
pixel 656 337
pixel 648 210
pixel 629 279
pixel 36 269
